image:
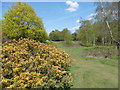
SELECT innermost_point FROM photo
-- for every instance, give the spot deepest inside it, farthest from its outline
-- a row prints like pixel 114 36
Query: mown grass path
pixel 91 72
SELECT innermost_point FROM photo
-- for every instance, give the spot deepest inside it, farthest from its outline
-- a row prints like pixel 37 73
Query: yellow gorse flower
pixel 29 63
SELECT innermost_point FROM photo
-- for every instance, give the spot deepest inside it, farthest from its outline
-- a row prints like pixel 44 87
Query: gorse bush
pixel 28 63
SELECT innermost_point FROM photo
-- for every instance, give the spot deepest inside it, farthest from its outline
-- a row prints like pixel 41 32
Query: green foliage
pixel 68 43
pixel 55 35
pixel 66 35
pixel 74 36
pixel 97 33
pixel 63 35
pixel 107 13
pixel 88 45
pixel 84 33
pixel 28 63
pixel 22 21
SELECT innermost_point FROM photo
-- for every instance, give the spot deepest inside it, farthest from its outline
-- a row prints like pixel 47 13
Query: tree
pixel 22 21
pixel 63 35
pixel 84 33
pixel 74 36
pixel 55 35
pixel 107 12
pixel 66 35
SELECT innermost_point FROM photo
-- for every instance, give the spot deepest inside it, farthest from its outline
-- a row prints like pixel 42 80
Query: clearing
pixel 91 72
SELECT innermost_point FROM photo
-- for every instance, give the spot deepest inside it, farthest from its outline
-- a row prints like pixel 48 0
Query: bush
pixel 68 43
pixel 101 51
pixel 28 63
pixel 80 43
pixel 88 45
pixel 48 42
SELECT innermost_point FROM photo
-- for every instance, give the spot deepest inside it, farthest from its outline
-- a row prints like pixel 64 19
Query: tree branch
pixel 111 35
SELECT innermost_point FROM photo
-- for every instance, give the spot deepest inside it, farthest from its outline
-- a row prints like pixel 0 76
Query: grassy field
pixel 91 72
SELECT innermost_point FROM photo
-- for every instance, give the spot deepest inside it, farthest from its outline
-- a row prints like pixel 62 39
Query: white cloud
pixel 71 9
pixel 73 29
pixel 68 2
pixel 73 6
pixel 78 21
pixel 76 27
pixel 91 16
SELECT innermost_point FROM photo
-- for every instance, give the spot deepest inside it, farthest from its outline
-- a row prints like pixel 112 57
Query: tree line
pixel 89 33
pixel 63 35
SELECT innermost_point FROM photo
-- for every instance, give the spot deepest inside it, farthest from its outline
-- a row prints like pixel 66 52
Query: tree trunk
pixel 94 42
pixel 86 37
pixel 103 40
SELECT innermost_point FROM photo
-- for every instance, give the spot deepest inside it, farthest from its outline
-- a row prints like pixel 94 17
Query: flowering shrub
pixel 28 63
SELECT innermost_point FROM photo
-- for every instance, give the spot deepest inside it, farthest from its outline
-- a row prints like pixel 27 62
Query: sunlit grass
pixel 90 72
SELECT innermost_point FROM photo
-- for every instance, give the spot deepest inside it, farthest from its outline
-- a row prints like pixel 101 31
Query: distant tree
pixel 22 21
pixel 66 35
pixel 81 35
pixel 63 35
pixel 84 32
pixel 55 35
pixel 51 35
pixel 74 36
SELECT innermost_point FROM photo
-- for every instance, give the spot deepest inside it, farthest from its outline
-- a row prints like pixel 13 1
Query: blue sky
pixel 59 15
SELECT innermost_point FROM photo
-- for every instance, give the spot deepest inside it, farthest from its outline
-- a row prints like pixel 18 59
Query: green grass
pixel 90 72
